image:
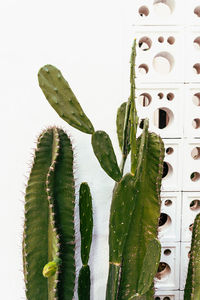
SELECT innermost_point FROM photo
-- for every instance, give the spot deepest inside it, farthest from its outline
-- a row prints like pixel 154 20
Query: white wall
pixel 89 41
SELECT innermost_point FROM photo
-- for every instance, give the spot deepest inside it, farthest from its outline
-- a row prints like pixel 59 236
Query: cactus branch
pixel 192 287
pixel 86 228
pixel 103 150
pixel 123 132
pixel 133 112
pixel 144 220
pixel 48 238
pixel 60 96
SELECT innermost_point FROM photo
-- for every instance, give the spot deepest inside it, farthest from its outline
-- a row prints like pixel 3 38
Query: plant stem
pixel 133 112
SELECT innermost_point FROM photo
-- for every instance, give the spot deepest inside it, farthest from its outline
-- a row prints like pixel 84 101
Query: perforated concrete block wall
pixel 168 93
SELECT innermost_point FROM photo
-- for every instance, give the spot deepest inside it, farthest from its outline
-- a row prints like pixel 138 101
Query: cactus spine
pixel 49 222
pixel 192 287
pixel 135 205
pixel 86 228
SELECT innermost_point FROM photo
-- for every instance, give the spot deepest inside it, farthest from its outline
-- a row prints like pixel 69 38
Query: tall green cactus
pixel 132 212
pixel 134 248
pixel 86 228
pixel 192 287
pixel 49 220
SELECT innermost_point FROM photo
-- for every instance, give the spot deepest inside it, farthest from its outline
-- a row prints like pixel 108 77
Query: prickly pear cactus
pixel 120 121
pixel 59 94
pixel 49 220
pixel 62 99
pixel 192 287
pixel 105 154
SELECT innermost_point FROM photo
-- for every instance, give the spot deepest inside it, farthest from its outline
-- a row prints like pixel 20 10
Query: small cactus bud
pixel 51 268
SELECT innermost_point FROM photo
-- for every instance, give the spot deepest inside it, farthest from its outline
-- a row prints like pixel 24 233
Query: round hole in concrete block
pixel 196 99
pixel 169 150
pixel 157 298
pixel 164 8
pixel 171 40
pixel 163 62
pixel 196 123
pixel 195 205
pixel 168 202
pixel 195 153
pixel 166 298
pixel 195 176
pixel 161 39
pixel 167 252
pixel 197 11
pixel 197 43
pixel 143 11
pixel 144 99
pixel 191 226
pixel 163 117
pixel 160 96
pixel 164 271
pixel 167 170
pixel 145 43
pixel 196 68
pixel 164 222
pixel 143 69
pixel 170 96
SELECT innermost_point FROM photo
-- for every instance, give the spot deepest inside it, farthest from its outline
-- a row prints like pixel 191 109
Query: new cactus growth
pixel 123 137
pixel 105 154
pixel 86 228
pixel 49 222
pixel 51 268
pixel 192 287
pixel 134 249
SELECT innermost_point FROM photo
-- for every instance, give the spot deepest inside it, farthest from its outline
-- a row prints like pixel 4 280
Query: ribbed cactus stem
pixel 141 248
pixel 192 287
pixel 48 239
pixel 133 112
pixel 53 236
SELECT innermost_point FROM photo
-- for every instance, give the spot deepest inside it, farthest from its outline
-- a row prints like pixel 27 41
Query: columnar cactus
pixel 134 248
pixel 192 287
pixel 48 239
pixel 86 228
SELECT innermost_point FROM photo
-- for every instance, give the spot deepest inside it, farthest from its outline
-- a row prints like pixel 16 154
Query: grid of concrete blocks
pixel 168 93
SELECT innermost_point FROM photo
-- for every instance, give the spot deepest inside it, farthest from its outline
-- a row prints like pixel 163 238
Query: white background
pixel 89 41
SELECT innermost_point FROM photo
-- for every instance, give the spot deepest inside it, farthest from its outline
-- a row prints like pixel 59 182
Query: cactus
pixel 62 99
pixel 142 212
pixel 121 114
pixel 192 287
pixel 134 249
pixel 84 283
pixel 49 222
pixel 59 94
pixel 105 154
pixel 86 227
